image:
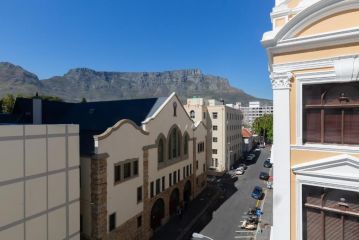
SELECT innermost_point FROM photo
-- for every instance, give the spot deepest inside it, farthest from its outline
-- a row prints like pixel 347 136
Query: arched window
pixel 192 114
pixel 186 139
pixel 160 150
pixel 174 144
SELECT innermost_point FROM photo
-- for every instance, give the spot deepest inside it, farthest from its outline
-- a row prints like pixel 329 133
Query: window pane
pixel 127 170
pixel 351 126
pixel 135 167
pixel 332 126
pixel 312 125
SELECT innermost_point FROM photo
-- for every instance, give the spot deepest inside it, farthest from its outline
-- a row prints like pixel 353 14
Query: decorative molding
pixel 110 130
pixel 326 148
pixel 281 80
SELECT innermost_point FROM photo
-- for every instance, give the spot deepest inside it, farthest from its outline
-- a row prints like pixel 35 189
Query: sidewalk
pixel 263 232
pixel 177 228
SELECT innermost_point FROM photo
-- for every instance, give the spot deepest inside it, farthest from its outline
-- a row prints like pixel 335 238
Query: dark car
pixel 257 192
pixel 264 176
pixel 267 163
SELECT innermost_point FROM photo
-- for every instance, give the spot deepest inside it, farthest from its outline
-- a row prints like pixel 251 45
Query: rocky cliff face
pixel 95 86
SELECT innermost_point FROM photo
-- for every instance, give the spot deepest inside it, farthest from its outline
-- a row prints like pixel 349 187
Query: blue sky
pixel 221 37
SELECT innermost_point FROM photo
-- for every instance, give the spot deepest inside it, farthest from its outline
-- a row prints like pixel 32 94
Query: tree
pixel 83 100
pixel 7 103
pixel 264 127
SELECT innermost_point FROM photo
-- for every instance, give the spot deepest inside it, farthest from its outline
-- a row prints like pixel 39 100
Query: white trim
pixel 326 148
pixel 159 109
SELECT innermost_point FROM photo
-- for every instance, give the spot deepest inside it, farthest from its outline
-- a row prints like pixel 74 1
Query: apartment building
pixel 140 160
pixel 313 52
pixel 253 111
pixel 225 123
pixel 39 181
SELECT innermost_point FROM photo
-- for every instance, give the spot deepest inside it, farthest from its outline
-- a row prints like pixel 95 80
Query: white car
pixel 239 171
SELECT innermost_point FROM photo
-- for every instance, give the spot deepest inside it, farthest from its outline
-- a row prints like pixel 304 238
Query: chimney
pixel 222 101
pixel 36 110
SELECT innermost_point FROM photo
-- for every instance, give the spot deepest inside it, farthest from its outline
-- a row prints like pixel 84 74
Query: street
pixel 225 222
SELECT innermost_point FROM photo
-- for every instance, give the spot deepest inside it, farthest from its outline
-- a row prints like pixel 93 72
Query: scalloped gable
pixel 340 167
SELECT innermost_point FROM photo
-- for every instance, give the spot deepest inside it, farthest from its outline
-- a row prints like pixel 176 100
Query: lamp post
pixel 201 236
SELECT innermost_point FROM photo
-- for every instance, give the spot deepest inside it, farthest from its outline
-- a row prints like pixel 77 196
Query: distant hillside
pixel 95 86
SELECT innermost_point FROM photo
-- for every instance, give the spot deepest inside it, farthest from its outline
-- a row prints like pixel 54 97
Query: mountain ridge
pixel 78 83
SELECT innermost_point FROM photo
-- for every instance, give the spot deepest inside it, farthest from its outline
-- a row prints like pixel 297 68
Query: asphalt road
pixel 225 221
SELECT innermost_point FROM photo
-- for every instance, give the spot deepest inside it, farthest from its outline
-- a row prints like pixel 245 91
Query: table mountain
pixel 94 85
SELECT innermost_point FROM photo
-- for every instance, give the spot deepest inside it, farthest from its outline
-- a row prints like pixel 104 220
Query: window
pixel 158 186
pixel 117 173
pixel 331 113
pixel 186 139
pixel 197 164
pixel 329 213
pixel 200 147
pixel 179 175
pixel 192 114
pixel 214 151
pixel 170 179
pixel 152 190
pixel 184 172
pixel 139 221
pixel 190 169
pixel 139 194
pixel 174 177
pixel 174 144
pixel 204 167
pixel 163 183
pixel 174 109
pixel 216 162
pixel 127 170
pixel 215 115
pixel 215 139
pixel 160 150
pixel 187 170
pixel 135 168
pixel 112 222
pixel 215 127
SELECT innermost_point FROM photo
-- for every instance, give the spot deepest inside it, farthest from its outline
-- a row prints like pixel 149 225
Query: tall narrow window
pixel 160 150
pixel 192 114
pixel 112 222
pixel 135 168
pixel 127 170
pixel 152 190
pixel 186 138
pixel 163 183
pixel 117 173
pixel 170 179
pixel 158 186
pixel 139 194
pixel 174 109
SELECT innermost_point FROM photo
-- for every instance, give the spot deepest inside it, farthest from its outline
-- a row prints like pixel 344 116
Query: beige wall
pixel 39 182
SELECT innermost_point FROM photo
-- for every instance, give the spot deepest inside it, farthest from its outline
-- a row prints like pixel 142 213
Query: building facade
pixel 39 182
pixel 225 123
pixel 141 161
pixel 253 111
pixel 313 52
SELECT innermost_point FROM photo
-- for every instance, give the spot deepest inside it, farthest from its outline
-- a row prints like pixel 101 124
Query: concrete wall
pixel 39 182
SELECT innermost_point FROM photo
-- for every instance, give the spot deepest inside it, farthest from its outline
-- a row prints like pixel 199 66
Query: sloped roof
pixel 92 117
pixel 246 133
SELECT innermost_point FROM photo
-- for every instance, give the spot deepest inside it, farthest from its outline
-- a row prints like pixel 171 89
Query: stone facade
pixel 99 196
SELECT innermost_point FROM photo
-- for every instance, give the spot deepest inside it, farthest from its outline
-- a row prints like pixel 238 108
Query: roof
pixel 93 117
pixel 246 133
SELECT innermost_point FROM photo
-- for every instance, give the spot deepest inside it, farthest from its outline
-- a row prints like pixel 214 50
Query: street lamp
pixel 200 236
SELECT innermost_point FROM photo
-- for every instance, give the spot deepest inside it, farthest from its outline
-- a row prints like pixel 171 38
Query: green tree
pixel 83 100
pixel 264 127
pixel 7 103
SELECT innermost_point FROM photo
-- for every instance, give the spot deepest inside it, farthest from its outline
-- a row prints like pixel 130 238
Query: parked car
pixel 267 163
pixel 264 176
pixel 211 179
pixel 242 165
pixel 239 171
pixel 249 158
pixel 257 192
pixel 234 177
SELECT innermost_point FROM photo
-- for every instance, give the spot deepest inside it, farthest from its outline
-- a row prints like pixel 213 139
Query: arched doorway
pixel 174 201
pixel 157 213
pixel 187 192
